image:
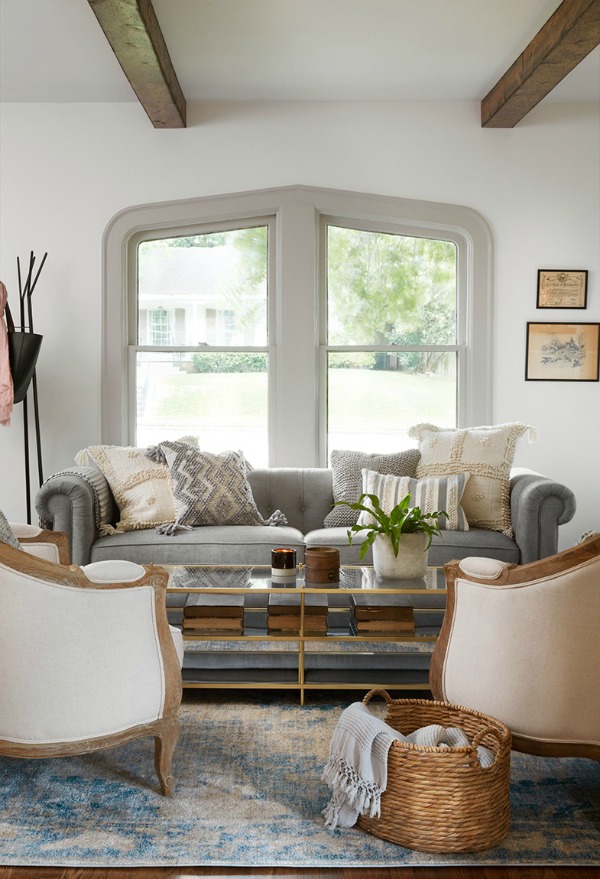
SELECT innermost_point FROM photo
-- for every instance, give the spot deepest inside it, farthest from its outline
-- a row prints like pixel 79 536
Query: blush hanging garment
pixel 6 382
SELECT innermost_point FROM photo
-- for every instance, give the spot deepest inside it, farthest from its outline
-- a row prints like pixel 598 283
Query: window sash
pixel 460 347
pixel 133 347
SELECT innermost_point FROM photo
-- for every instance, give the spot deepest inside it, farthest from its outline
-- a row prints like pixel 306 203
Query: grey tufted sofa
pixel 66 502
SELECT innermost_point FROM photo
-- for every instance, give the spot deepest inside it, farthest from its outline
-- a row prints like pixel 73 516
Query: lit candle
pixel 283 563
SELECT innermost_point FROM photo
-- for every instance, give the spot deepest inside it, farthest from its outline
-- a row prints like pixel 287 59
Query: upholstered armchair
pixel 522 643
pixel 87 658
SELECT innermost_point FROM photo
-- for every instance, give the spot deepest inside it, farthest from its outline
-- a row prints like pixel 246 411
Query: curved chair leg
pixel 164 745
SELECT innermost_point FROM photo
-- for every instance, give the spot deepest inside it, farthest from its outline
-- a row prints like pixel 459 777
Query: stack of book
pixel 378 616
pixel 283 614
pixel 213 614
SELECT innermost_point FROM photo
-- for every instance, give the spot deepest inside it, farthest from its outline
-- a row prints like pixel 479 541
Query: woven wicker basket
pixel 441 799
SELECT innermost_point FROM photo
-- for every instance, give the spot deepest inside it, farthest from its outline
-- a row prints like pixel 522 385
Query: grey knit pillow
pixel 6 533
pixel 347 469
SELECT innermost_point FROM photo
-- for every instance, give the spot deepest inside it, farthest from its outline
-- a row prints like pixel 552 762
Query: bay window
pixel 290 322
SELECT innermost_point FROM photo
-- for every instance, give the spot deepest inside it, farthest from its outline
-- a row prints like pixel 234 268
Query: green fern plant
pixel 403 519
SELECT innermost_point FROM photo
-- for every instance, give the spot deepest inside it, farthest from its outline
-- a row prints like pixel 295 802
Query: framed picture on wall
pixel 562 352
pixel 562 289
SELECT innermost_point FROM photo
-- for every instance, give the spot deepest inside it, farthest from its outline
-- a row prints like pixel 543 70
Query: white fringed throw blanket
pixel 356 771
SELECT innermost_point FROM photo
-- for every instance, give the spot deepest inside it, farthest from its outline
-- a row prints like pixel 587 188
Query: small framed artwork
pixel 562 352
pixel 562 289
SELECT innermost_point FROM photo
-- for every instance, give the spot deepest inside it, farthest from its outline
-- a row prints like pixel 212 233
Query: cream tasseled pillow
pixel 487 454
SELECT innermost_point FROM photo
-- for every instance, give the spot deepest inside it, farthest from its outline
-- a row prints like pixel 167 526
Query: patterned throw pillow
pixel 141 487
pixel 347 469
pixel 487 454
pixel 211 489
pixel 430 495
pixel 7 535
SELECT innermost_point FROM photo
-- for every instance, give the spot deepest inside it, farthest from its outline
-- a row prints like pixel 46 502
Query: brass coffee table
pixel 338 657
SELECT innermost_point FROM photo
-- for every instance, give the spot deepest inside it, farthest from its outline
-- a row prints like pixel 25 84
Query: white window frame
pixel 297 340
pixel 460 347
pixel 131 295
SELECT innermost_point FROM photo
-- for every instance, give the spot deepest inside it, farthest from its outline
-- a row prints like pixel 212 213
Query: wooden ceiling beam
pixel 134 34
pixel 570 34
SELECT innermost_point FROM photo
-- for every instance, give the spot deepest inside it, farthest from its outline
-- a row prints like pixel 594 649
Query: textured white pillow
pixel 430 495
pixel 487 454
pixel 141 487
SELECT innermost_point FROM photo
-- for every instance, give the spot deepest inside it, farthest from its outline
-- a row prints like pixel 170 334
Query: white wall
pixel 67 169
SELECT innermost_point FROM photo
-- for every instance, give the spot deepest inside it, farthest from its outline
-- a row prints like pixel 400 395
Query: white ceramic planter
pixel 411 561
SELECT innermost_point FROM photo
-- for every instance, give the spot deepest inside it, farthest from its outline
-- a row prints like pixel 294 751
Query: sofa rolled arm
pixel 538 506
pixel 70 501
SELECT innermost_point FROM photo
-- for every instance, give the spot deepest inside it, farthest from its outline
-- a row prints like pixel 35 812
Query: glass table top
pixel 255 578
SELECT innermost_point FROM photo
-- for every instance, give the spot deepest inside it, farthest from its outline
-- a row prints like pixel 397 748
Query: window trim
pixel 296 427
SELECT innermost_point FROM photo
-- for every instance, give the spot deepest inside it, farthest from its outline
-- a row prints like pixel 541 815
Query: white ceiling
pixel 286 50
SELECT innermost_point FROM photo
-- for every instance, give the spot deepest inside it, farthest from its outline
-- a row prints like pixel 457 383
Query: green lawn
pixel 388 400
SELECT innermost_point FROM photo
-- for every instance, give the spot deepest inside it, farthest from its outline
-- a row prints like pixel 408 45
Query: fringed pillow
pixel 211 489
pixel 487 454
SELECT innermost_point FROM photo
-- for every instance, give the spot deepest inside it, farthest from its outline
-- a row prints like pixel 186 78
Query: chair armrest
pixel 75 501
pixel 538 505
pixel 43 543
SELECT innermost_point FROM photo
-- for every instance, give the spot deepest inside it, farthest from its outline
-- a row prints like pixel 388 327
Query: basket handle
pixel 377 692
pixel 480 736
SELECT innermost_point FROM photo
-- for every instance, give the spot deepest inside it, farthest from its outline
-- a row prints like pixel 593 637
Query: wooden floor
pixel 286 873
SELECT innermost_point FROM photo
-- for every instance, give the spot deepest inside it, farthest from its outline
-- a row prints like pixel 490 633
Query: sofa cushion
pixel 347 469
pixel 484 452
pixel 210 489
pixel 210 545
pixel 452 545
pixel 431 494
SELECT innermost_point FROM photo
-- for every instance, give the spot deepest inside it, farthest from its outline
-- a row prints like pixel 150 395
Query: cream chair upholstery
pixel 87 658
pixel 522 643
pixel 50 545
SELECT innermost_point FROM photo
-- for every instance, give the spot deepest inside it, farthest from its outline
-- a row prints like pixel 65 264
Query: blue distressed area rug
pixel 249 794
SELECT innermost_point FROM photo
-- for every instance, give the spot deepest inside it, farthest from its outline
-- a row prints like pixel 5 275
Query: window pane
pixel 206 289
pixel 387 289
pixel 219 396
pixel 374 398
